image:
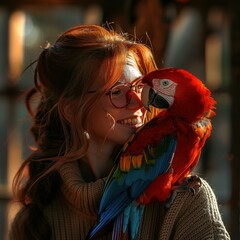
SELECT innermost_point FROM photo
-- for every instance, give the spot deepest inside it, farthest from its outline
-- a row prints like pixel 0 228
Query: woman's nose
pixel 135 102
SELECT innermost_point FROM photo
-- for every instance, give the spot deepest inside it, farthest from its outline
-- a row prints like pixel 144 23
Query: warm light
pixel 14 161
pixel 16 38
pixel 213 61
pixel 214 49
pixel 14 154
pixel 93 15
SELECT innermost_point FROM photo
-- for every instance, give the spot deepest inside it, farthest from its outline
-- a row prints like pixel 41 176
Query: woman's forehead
pixel 130 71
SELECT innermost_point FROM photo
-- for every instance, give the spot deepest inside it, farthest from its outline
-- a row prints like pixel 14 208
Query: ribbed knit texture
pixel 191 216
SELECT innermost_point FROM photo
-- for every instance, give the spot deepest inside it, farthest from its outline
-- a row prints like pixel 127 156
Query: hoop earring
pixel 113 120
pixel 110 129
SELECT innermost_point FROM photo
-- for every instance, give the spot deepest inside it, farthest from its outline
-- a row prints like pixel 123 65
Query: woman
pixel 82 119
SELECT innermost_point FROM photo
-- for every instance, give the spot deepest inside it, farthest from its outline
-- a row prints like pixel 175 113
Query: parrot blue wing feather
pixel 149 172
pixel 118 226
pixel 138 176
pixel 112 210
pixel 118 204
pixel 135 218
pixel 119 194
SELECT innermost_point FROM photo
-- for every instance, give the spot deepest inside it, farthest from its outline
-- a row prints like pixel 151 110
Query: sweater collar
pixel 83 196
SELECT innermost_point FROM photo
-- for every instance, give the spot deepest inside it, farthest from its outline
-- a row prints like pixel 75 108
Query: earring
pixel 112 119
pixel 86 135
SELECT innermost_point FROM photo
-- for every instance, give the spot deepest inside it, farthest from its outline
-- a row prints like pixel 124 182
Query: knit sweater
pixel 189 217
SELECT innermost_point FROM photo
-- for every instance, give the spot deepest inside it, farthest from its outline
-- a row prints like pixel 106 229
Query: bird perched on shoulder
pixel 160 155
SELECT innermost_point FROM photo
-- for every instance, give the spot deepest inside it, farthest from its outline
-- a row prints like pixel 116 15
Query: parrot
pixel 159 157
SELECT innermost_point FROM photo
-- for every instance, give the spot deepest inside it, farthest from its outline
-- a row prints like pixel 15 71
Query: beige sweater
pixel 190 216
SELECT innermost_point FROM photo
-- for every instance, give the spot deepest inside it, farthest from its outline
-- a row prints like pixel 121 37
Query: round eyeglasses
pixel 121 94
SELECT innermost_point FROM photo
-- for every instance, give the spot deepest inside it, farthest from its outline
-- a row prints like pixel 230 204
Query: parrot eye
pixel 165 83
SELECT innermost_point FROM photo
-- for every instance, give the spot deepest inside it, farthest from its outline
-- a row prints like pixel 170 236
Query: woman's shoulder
pixel 199 191
pixel 195 209
pixel 194 194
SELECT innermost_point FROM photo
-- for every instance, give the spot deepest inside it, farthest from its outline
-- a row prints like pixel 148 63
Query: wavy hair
pixel 64 73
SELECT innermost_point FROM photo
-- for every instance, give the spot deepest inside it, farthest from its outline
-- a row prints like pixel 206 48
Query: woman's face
pixel 114 123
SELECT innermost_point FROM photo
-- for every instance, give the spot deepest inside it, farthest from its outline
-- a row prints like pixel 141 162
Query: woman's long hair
pixel 64 73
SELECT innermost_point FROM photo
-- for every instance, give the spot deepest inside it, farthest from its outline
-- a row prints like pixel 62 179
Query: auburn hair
pixel 65 72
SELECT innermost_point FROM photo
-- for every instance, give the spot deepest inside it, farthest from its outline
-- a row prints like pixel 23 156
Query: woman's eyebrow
pixel 123 81
pixel 118 83
pixel 138 79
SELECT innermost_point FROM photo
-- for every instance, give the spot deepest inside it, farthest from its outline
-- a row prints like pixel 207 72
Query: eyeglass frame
pixel 136 83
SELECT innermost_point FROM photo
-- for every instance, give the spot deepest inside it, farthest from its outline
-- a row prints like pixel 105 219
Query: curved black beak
pixel 150 97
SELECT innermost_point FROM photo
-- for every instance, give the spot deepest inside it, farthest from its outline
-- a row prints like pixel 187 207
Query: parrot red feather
pixel 161 154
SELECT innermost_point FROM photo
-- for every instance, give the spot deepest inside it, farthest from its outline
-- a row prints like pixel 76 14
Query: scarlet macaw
pixel 161 154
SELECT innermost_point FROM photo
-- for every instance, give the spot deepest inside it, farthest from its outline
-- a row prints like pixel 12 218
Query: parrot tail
pixel 127 223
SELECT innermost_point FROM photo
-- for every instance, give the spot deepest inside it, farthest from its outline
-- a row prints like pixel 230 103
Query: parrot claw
pixel 193 179
pixel 189 185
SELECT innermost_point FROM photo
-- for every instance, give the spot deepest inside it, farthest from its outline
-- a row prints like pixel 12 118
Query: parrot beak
pixel 151 97
pixel 144 97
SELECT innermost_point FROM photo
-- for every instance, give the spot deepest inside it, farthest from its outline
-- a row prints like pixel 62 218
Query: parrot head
pixel 178 91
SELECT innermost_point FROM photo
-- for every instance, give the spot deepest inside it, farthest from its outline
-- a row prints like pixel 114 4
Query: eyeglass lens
pixel 121 94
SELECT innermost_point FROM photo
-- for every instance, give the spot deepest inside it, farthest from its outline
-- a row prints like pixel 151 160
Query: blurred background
pixel 202 36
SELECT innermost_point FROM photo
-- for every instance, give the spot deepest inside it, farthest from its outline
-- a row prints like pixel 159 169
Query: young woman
pixel 81 120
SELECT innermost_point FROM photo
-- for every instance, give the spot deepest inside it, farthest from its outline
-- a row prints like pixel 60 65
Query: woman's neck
pixel 100 159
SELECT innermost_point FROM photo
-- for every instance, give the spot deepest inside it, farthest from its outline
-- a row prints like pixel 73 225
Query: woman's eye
pixel 138 88
pixel 116 91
